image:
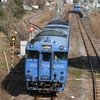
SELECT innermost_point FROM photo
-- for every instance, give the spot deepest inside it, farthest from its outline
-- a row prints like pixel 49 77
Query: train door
pixel 45 66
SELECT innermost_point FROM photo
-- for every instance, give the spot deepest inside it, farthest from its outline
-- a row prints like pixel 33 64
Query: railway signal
pixel 31 29
pixel 13 38
pixel 12 43
pixel 12 56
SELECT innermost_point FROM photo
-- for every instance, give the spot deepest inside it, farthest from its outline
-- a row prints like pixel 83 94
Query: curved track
pixel 30 18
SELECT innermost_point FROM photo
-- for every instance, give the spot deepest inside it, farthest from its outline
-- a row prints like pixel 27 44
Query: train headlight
pixel 31 45
pixel 61 47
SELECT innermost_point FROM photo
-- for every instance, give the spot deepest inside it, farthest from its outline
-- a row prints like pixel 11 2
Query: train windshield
pixel 52 33
pixel 32 54
pixel 60 56
pixel 46 56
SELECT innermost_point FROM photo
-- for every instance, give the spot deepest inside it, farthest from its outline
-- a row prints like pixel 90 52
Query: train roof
pixel 60 22
pixel 57 24
pixel 55 33
pixel 76 5
pixel 53 36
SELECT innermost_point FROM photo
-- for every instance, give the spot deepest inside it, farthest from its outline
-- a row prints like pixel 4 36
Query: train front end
pixel 46 70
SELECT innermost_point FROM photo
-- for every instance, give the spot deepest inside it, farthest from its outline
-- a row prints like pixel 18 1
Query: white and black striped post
pixel 12 44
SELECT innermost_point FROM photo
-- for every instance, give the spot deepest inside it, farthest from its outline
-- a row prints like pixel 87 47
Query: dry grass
pixel 41 21
pixel 95 23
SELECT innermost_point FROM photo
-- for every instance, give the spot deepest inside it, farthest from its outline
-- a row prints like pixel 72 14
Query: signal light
pixel 31 29
pixel 12 44
pixel 13 38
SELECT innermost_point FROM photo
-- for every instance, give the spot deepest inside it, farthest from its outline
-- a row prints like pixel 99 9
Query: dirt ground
pixel 12 86
pixel 95 23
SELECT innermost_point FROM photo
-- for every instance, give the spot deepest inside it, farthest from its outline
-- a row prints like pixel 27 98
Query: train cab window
pixel 32 54
pixel 52 33
pixel 60 55
pixel 46 56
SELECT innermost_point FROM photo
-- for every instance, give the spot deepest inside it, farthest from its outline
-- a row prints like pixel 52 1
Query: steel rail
pixel 40 96
pixel 53 96
pixel 89 58
pixel 27 21
pixel 95 85
pixel 36 97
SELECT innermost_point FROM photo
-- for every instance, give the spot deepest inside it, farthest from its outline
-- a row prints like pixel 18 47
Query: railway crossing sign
pixel 31 29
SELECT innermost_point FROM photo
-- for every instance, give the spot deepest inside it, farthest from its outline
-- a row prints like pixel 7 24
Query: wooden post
pixel 6 61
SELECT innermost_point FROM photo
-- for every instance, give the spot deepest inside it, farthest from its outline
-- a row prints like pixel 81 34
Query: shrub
pixel 1 14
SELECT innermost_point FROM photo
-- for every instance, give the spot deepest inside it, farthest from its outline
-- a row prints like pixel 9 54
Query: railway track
pixel 51 96
pixel 93 58
pixel 29 19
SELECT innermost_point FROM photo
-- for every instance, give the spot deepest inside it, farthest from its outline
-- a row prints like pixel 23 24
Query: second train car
pixel 76 8
pixel 46 61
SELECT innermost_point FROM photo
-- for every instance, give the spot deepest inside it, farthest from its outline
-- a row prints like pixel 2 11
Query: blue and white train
pixel 46 60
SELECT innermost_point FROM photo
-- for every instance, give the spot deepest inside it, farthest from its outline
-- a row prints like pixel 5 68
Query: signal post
pixel 32 31
pixel 12 44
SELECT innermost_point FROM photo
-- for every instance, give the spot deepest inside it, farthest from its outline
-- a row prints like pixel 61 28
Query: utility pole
pixel 58 7
pixel 24 3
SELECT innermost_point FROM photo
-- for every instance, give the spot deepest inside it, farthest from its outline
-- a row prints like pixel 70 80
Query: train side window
pixel 60 55
pixel 32 54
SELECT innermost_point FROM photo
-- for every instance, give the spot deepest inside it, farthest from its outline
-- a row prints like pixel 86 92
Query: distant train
pixel 46 61
pixel 76 8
